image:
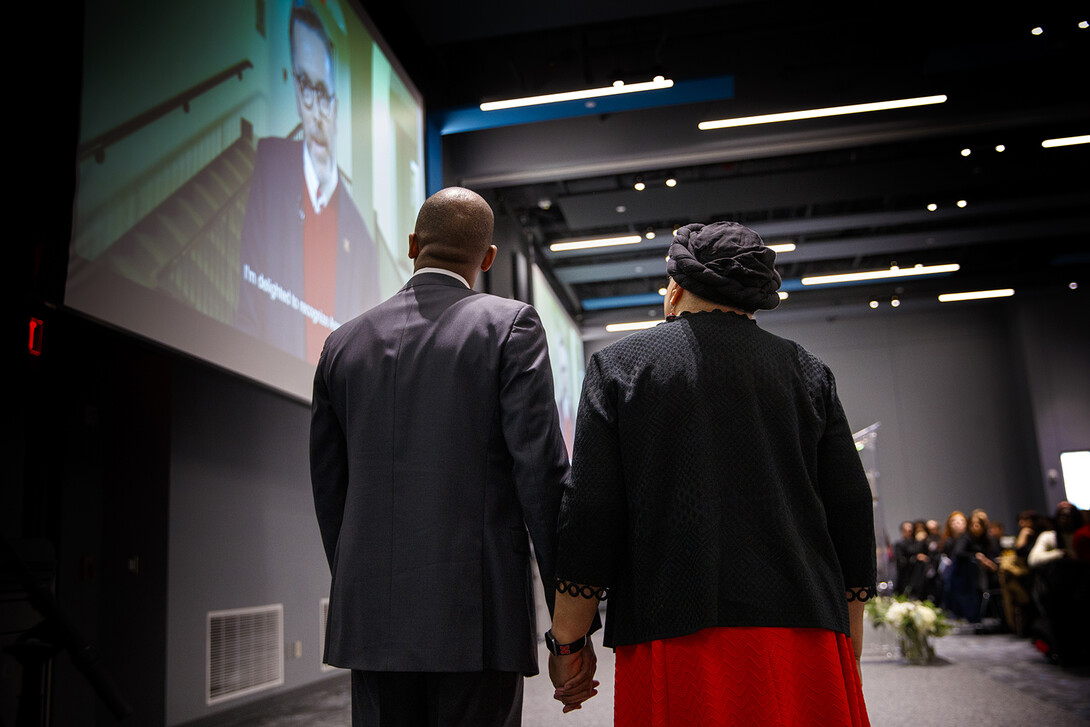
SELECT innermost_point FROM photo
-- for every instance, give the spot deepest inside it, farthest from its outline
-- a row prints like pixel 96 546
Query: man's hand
pixel 573 677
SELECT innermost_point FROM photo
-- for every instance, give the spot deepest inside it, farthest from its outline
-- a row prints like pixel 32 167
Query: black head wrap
pixel 726 263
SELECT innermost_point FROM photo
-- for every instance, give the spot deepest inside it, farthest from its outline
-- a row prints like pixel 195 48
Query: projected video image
pixel 248 177
pixel 565 353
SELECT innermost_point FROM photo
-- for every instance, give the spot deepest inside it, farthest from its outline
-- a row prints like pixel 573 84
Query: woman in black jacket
pixel 718 497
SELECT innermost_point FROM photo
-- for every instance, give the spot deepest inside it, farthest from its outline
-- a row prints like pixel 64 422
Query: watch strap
pixel 563 649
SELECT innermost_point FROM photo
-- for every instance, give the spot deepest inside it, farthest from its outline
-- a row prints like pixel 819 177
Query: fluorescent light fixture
pixel 617 88
pixel 819 113
pixel 599 242
pixel 976 295
pixel 635 326
pixel 1066 141
pixel 782 247
pixel 881 274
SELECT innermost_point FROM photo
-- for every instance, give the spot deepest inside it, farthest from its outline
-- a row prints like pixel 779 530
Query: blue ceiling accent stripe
pixel 455 121
pixel 622 301
pixel 433 166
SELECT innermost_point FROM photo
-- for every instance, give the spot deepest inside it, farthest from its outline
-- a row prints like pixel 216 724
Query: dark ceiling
pixel 850 192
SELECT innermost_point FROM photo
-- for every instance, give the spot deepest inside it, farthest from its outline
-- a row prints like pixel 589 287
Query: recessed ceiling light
pixel 895 302
pixel 650 234
pixel 640 186
pixel 662 292
pixel 671 182
pixel 962 203
pixel 1000 148
pixel 932 207
pixel 1038 30
pixel 783 294
pixel 874 304
pixel 966 152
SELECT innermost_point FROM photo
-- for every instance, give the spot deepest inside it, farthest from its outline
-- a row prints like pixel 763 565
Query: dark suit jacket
pixel 272 246
pixel 435 448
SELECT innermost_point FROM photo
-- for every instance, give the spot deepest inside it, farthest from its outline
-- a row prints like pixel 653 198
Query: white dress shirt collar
pixel 444 271
pixel 311 177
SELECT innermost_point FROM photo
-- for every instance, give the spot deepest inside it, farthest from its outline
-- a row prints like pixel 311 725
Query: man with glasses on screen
pixel 307 260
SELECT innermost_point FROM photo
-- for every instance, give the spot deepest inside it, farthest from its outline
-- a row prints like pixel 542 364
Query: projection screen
pixel 248 175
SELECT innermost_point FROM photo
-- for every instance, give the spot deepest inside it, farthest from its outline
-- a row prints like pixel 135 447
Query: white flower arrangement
pixel 914 622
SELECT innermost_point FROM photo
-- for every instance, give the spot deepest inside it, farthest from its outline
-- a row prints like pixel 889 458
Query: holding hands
pixel 573 677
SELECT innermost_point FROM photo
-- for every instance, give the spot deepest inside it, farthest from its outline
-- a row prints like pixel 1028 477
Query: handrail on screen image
pixel 97 147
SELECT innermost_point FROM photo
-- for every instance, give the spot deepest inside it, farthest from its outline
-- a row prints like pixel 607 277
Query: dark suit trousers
pixel 436 699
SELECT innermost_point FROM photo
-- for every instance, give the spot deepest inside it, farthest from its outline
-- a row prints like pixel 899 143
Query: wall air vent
pixel 245 651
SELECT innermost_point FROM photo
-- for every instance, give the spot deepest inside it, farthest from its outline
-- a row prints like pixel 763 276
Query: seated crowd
pixel 1035 584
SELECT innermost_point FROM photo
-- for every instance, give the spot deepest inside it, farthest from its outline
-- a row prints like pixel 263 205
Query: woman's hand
pixel 573 677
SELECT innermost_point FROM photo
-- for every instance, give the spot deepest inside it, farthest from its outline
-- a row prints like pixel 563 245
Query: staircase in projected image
pixel 188 245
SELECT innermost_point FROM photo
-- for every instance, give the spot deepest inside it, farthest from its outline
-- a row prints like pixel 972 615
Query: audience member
pixel 921 572
pixel 1014 575
pixel 1061 591
pixel 972 560
pixel 901 557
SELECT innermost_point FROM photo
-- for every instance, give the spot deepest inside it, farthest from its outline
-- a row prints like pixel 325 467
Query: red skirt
pixel 736 677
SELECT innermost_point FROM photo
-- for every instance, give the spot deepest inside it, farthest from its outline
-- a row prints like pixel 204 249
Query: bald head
pixel 453 230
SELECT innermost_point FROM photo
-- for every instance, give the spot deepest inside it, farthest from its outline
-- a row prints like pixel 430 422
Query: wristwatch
pixel 564 649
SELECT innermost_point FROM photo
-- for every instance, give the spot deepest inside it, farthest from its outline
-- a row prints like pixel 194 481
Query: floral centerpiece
pixel 914 622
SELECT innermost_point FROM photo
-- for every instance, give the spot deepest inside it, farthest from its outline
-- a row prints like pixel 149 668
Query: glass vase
pixel 916 648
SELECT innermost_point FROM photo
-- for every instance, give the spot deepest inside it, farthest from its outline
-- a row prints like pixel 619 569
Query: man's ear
pixel 489 258
pixel 413 249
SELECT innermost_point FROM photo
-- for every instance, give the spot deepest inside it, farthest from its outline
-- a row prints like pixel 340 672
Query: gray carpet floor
pixel 995 680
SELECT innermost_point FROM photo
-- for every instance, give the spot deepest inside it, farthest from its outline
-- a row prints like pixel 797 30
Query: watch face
pixel 563 649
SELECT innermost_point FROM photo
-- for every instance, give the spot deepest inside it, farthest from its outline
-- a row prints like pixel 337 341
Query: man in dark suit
pixel 435 449
pixel 307 260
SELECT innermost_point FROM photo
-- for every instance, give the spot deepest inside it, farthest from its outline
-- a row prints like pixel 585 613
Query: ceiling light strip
pixel 634 326
pixel 1066 141
pixel 819 113
pixel 881 274
pixel 616 89
pixel 976 295
pixel 599 242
